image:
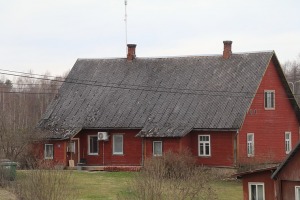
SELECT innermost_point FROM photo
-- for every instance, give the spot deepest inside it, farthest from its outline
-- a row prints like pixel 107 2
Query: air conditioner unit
pixel 103 136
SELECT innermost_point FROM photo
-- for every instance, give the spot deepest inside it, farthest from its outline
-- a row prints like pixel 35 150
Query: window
pixel 71 147
pixel 93 145
pixel 269 99
pixel 204 145
pixel 250 144
pixel 297 193
pixel 256 191
pixel 118 144
pixel 48 154
pixel 288 142
pixel 157 148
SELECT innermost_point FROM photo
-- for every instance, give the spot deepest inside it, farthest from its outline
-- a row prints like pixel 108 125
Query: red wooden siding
pixel 59 151
pixel 289 177
pixel 291 170
pixel 221 147
pixel 268 126
pixel 288 189
pixel 222 153
pixel 132 149
pixel 259 177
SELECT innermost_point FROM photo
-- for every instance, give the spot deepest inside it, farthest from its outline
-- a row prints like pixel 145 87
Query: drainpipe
pixel 142 151
pixel 103 152
pixel 235 148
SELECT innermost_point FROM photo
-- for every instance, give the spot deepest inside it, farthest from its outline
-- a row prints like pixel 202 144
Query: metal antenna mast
pixel 126 24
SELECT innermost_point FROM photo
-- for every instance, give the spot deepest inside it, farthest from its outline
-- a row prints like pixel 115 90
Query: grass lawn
pixel 100 185
pixel 107 185
pixel 229 190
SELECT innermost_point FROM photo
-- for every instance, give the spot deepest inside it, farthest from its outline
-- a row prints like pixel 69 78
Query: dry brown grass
pixel 6 195
pixel 172 176
pixel 45 184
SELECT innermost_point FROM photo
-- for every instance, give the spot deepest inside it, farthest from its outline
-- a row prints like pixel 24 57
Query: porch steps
pixel 93 168
pixel 109 168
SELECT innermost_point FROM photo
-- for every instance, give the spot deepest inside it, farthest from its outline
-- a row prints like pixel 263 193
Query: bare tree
pixel 292 73
pixel 22 103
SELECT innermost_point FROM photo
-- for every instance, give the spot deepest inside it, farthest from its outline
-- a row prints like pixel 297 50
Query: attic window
pixel 269 99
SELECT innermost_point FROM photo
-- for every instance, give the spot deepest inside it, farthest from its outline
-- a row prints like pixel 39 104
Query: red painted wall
pixel 288 189
pixel 132 148
pixel 59 149
pixel 291 169
pixel 222 153
pixel 259 177
pixel 221 147
pixel 168 144
pixel 268 126
pixel 289 177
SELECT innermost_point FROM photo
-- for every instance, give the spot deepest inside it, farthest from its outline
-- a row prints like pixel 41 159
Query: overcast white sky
pixel 49 35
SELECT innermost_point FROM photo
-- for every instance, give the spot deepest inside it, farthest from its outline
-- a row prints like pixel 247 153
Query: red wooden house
pixel 281 183
pixel 228 109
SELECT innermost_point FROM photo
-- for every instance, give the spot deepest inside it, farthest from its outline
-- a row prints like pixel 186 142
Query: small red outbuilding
pixel 281 183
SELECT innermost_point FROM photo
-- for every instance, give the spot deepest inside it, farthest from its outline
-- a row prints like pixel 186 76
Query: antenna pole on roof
pixel 126 25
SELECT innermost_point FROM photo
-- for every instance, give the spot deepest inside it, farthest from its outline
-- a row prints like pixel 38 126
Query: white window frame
pixel 250 143
pixel 89 145
pixel 297 192
pixel 45 151
pixel 204 143
pixel 153 145
pixel 268 99
pixel 288 142
pixel 256 184
pixel 114 150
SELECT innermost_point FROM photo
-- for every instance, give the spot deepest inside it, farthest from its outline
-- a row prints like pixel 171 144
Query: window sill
pixel 93 154
pixel 208 156
pixel 269 108
pixel 118 154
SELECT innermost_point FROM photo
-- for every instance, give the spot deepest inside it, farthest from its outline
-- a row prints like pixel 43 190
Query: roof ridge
pixel 179 56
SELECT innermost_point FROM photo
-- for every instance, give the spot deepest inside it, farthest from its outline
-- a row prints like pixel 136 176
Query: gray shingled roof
pixel 165 97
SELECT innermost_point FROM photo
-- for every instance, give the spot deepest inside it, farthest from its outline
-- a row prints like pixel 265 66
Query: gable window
pixel 250 144
pixel 204 145
pixel 288 142
pixel 93 145
pixel 256 191
pixel 269 99
pixel 157 148
pixel 118 144
pixel 297 192
pixel 48 152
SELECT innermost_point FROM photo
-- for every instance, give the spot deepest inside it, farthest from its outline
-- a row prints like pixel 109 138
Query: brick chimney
pixel 227 49
pixel 131 52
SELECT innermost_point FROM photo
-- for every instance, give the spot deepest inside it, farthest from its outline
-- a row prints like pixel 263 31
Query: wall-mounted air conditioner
pixel 103 136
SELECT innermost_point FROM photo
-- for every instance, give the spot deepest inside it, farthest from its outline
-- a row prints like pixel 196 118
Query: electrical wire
pixel 131 86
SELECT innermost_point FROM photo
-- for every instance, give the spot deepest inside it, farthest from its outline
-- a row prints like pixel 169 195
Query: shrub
pixel 172 176
pixel 45 184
